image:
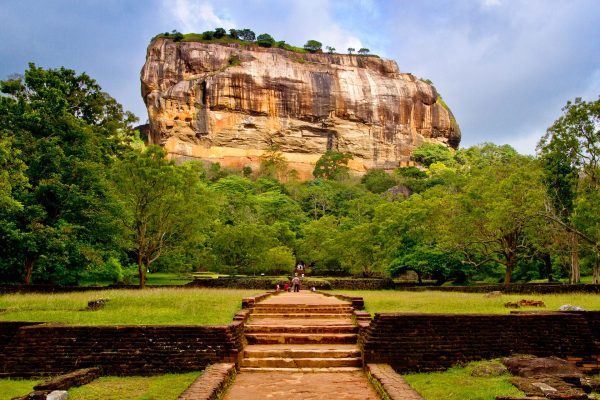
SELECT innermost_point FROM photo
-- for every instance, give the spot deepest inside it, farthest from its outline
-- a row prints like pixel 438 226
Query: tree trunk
pixel 419 278
pixel 29 263
pixel 596 280
pixel 575 277
pixel 510 265
pixel 141 271
pixel 548 263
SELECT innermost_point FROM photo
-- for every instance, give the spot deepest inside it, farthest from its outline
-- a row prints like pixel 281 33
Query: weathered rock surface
pixel 229 103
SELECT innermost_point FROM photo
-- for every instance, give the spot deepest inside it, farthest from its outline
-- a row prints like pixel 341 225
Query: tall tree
pixel 570 153
pixel 332 165
pixel 166 206
pixel 63 132
pixel 492 219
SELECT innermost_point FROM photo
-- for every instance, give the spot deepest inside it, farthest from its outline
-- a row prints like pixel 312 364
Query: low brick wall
pixel 117 350
pixel 526 288
pixel 428 342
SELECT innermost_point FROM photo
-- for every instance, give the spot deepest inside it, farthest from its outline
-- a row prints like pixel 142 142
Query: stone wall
pixel 525 288
pixel 31 350
pixel 428 342
pixel 268 283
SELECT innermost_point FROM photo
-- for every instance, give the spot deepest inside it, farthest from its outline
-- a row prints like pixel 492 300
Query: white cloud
pixel 195 15
pixel 491 3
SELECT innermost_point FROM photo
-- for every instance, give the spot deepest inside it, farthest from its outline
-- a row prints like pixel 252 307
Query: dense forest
pixel 81 196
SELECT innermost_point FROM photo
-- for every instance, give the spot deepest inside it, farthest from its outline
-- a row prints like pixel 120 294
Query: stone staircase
pixel 300 336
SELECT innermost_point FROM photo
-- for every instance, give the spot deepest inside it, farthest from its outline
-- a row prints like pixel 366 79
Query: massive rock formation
pixel 230 103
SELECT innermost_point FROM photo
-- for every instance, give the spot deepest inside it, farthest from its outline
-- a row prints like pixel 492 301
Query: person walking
pixel 296 283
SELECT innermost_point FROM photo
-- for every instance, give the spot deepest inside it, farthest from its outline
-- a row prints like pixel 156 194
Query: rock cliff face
pixel 230 103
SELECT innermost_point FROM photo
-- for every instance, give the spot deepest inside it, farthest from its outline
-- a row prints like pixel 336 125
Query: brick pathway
pixel 301 386
pixel 301 346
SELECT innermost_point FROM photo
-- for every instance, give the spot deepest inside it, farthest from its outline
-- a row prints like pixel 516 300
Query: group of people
pixel 294 282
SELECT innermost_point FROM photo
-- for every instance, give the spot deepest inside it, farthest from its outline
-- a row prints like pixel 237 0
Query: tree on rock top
pixel 265 40
pixel 313 46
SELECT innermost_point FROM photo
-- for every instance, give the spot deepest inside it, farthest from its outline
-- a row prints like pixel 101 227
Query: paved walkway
pixel 301 386
pixel 293 335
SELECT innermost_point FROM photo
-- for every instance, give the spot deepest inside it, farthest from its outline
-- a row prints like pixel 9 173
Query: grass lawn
pixel 161 306
pixel 10 388
pixel 458 384
pixel 455 302
pixel 160 387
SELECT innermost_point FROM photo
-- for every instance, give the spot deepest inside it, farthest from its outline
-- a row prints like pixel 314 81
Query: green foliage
pixel 332 165
pixel 246 34
pixel 351 50
pixel 330 49
pixel 313 46
pixel 165 206
pixel 219 33
pixel 429 153
pixel 265 40
pixel 570 153
pixel 62 132
pixel 363 51
pixel 377 180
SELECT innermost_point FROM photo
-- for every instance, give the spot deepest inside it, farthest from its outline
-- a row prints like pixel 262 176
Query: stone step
pixel 282 362
pixel 302 315
pixel 305 309
pixel 292 370
pixel 300 322
pixel 321 329
pixel 300 338
pixel 302 351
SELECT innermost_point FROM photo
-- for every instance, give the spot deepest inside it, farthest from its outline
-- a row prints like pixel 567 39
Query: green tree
pixel 377 180
pixel 165 206
pixel 273 163
pixel 234 33
pixel 495 216
pixel 62 131
pixel 313 46
pixel 265 40
pixel 219 33
pixel 363 51
pixel 330 49
pixel 247 35
pixel 351 50
pixel 429 153
pixel 570 153
pixel 332 165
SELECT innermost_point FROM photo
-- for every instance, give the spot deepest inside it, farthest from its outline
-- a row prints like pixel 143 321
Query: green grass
pixel 10 388
pixel 161 387
pixel 462 303
pixel 162 306
pixel 458 384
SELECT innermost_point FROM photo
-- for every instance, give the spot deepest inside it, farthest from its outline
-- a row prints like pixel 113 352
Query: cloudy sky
pixel 505 67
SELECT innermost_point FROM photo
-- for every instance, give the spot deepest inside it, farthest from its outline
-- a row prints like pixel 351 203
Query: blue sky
pixel 505 67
